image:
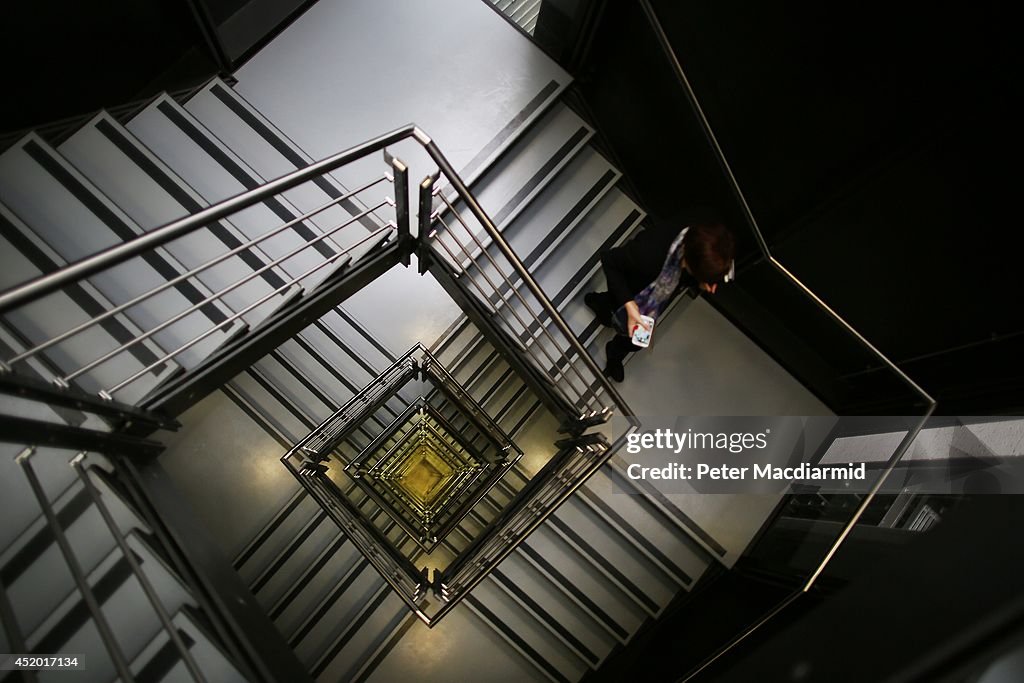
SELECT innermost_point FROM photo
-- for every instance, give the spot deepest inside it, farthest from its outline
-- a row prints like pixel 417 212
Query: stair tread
pixel 683 552
pixel 129 613
pixel 559 604
pixel 642 577
pixel 90 540
pixel 33 169
pixel 61 311
pixel 271 154
pixel 560 207
pixel 610 598
pixel 153 195
pixel 216 173
pixel 522 632
pixel 160 660
pixel 380 617
pixel 509 185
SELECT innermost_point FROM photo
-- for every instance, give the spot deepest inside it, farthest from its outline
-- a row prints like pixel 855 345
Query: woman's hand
pixel 633 318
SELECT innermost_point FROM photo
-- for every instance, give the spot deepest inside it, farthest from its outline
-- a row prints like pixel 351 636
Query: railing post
pixel 243 628
pixel 140 575
pixel 480 317
pixel 74 566
pixel 401 181
pixel 426 220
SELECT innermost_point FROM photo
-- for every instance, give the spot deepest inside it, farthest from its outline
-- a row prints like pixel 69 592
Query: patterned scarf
pixel 653 299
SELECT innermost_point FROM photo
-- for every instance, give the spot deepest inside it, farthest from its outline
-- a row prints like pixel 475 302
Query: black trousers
pixel 620 345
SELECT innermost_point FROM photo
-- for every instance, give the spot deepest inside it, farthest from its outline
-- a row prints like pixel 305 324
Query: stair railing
pixel 298 291
pixel 578 458
pixel 398 571
pixel 85 587
pixel 514 314
pixel 553 360
pixel 476 265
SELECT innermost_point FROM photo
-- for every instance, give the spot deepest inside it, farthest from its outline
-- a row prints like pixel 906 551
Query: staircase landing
pixel 348 69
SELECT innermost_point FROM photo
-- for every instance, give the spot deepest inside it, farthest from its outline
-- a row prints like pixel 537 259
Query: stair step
pixel 297 390
pixel 549 549
pixel 271 154
pixel 276 543
pixel 338 569
pixel 35 557
pixel 294 388
pixel 372 352
pixel 523 10
pixel 292 427
pixel 508 187
pixel 315 535
pixel 343 346
pixel 152 195
pixel 521 632
pixel 529 22
pixel 161 661
pixel 39 368
pixel 615 553
pixel 592 633
pixel 460 337
pixel 27 257
pixel 382 614
pixel 426 654
pixel 557 211
pixel 216 173
pixel 132 619
pixel 666 508
pixel 564 628
pixel 310 572
pixel 32 169
pixel 564 275
pixel 23 520
pixel 246 553
pixel 675 551
pixel 372 658
pixel 361 587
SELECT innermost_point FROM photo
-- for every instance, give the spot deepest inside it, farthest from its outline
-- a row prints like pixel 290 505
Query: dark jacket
pixel 638 262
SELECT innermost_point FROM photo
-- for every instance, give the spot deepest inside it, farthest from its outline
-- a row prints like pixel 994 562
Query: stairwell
pixel 578 589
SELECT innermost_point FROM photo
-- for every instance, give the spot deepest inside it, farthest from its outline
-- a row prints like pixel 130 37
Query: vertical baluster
pixel 102 625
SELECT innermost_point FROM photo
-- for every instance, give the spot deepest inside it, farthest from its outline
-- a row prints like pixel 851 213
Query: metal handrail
pixel 506 250
pixel 108 258
pixel 518 520
pixel 115 255
pixel 28 353
pixel 219 294
pixel 504 304
pixel 453 490
pixel 288 284
pixel 496 291
pixel 392 567
pixel 452 389
pixel 532 506
pixel 389 430
pixel 343 417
